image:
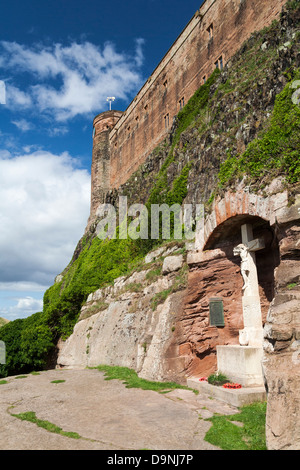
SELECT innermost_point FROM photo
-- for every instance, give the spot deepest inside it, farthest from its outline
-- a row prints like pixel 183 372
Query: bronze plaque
pixel 216 312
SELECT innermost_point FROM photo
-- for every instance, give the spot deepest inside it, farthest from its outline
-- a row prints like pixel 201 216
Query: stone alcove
pixel 214 271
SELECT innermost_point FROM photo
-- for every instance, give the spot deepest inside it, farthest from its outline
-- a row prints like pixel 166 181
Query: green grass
pixel 31 417
pixel 196 105
pixel 160 297
pixel 132 380
pixel 292 285
pixel 275 152
pixel 154 274
pixel 217 379
pixel 3 382
pixel 57 381
pixel 229 436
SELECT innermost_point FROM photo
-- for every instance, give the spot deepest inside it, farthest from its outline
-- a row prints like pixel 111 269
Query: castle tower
pixel 102 125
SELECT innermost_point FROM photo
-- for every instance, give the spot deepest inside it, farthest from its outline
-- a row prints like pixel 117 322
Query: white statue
pixel 243 337
pixel 243 251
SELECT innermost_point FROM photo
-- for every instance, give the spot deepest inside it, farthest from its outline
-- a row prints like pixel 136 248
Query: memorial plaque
pixel 216 312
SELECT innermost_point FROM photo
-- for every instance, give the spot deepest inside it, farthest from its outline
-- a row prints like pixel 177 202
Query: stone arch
pixel 240 203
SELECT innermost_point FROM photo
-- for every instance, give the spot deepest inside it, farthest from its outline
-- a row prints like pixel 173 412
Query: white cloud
pixel 67 81
pixel 2 92
pixel 22 308
pixel 23 125
pixel 56 131
pixel 29 304
pixel 44 206
pixel 139 52
pixel 17 99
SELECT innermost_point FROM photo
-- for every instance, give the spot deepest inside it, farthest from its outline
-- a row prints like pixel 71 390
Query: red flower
pixel 232 385
pixel 203 379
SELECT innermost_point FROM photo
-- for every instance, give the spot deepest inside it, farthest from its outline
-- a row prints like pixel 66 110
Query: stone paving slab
pixel 106 414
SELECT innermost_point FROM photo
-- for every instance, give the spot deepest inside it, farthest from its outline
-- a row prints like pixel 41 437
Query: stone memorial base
pixel 237 398
pixel 241 364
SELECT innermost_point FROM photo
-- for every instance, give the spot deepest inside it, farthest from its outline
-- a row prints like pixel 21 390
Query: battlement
pixel 122 141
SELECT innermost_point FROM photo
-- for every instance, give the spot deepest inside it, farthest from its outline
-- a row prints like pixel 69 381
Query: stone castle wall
pixel 213 35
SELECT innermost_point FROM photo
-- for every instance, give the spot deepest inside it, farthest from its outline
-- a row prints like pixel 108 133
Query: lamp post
pixel 110 99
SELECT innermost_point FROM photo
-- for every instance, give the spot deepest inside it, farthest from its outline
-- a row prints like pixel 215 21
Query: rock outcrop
pixel 282 344
pixel 132 323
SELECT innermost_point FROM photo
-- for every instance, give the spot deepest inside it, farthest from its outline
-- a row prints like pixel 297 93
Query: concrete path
pixel 106 414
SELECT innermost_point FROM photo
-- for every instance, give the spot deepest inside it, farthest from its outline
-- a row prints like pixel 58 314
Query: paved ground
pixel 106 414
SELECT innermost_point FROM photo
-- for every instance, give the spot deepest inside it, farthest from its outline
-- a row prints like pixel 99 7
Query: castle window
pixel 167 120
pixel 210 31
pixel 219 64
pixel 181 103
pixel 166 83
pixel 94 131
pixel 204 79
pixel 145 107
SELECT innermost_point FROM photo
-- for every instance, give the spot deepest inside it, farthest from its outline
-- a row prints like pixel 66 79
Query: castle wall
pixel 212 36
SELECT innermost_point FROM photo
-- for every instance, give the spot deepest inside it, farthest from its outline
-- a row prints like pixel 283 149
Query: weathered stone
pixel 154 255
pixel 172 263
pixel 278 333
pixel 200 256
pixel 283 379
pixel 287 273
pixel 157 286
pixel 296 95
pixel 284 313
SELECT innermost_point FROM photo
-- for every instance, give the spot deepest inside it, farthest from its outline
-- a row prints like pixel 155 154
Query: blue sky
pixel 59 61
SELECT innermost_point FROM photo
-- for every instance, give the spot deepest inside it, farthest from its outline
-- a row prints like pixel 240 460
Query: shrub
pixel 217 379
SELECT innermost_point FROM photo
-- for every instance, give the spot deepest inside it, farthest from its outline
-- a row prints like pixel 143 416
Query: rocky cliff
pixel 132 323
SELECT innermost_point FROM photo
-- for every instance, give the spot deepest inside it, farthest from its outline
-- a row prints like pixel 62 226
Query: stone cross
pixel 252 334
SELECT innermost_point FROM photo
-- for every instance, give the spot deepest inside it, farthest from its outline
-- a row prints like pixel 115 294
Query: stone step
pixel 235 397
